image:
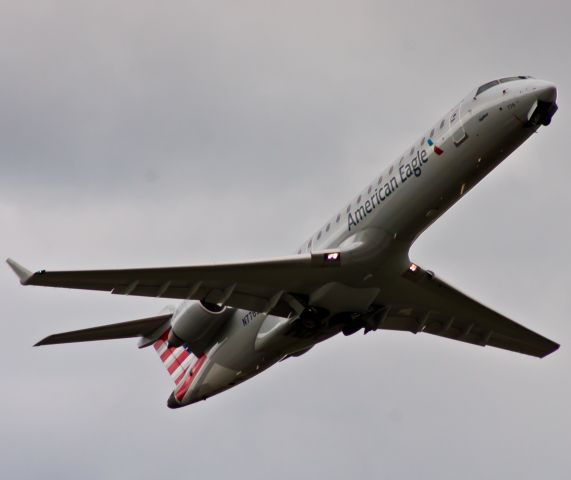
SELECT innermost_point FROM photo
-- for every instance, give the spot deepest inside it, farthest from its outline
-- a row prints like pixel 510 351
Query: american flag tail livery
pixel 181 364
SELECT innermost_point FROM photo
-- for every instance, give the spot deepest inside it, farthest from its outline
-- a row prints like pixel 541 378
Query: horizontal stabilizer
pixel 135 328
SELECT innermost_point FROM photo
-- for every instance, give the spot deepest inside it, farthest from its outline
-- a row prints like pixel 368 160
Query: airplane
pixel 238 319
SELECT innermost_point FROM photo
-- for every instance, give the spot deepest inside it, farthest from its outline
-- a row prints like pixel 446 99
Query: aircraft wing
pixel 419 301
pixel 249 285
pixel 430 305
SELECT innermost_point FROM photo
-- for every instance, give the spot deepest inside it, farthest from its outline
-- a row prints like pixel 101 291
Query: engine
pixel 197 324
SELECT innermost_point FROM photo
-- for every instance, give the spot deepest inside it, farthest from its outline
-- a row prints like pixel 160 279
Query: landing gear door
pixel 456 127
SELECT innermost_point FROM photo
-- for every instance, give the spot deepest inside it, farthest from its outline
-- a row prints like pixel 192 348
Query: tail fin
pixel 177 360
pixel 181 364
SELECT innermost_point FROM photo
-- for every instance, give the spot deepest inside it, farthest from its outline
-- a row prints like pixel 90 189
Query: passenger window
pixel 442 124
pixel 319 235
pixel 309 245
pixel 380 179
pixel 327 227
pixel 338 218
pixel 359 199
pixel 432 133
pixel 401 160
pixel 391 170
pixel 422 141
pixel 370 188
pixel 348 208
pixel 412 150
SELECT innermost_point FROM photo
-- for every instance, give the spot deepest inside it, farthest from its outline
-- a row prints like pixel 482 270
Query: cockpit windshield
pixel 487 86
pixel 493 83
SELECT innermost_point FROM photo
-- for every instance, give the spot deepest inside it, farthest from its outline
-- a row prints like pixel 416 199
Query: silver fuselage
pixel 387 217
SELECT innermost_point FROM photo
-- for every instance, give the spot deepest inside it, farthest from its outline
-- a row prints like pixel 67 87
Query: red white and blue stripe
pixel 180 362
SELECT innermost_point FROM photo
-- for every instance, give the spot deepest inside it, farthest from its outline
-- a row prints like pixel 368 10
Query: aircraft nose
pixel 544 96
pixel 546 91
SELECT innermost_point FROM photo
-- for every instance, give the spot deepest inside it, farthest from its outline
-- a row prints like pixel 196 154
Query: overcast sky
pixel 141 133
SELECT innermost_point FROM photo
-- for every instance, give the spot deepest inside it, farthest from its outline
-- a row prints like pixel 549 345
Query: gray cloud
pixel 139 133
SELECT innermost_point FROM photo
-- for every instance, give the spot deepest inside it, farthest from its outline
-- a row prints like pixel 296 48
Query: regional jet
pixel 354 273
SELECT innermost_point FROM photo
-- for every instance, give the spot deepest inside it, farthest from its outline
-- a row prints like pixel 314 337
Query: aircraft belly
pixel 214 380
pixel 233 359
pixel 237 349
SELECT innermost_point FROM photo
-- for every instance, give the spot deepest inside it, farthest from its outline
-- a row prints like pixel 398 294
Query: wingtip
pixel 44 341
pixel 551 350
pixel 23 273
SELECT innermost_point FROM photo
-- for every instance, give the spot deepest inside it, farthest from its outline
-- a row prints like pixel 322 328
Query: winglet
pixel 23 273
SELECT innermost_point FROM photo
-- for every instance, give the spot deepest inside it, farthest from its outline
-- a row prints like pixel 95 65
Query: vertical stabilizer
pixel 177 360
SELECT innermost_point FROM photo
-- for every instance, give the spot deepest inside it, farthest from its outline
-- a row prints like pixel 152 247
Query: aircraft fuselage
pixel 383 221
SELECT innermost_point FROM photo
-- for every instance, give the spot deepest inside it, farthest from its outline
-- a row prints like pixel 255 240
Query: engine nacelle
pixel 197 325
